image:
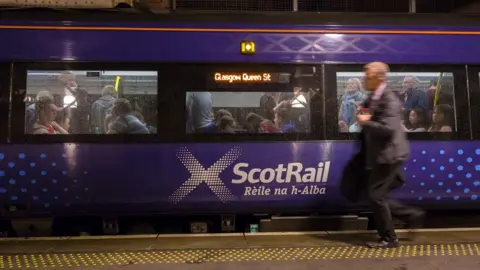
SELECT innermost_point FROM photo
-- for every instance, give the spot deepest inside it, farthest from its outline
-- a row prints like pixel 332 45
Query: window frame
pixel 473 72
pixel 18 109
pixel 462 115
pixel 5 93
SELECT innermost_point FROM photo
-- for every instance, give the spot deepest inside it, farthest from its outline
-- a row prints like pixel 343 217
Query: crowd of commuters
pixel 425 109
pixel 275 113
pixel 109 114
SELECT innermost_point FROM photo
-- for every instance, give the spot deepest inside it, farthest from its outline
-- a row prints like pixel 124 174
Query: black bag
pixel 353 180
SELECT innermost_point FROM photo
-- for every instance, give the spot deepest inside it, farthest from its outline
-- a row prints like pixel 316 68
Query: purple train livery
pixel 157 64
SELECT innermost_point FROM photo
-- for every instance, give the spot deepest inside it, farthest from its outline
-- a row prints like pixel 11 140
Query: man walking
pixel 385 149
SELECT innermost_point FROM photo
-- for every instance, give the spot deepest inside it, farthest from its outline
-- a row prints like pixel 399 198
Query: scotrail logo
pixel 284 179
pixel 210 176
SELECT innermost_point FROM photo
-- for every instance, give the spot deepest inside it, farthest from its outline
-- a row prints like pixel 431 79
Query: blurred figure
pixel 226 125
pixel 416 121
pixel 267 126
pixel 412 96
pixel 256 124
pixel 62 120
pixel 140 117
pixel 267 104
pixel 68 80
pixel 46 112
pixel 299 100
pixel 224 121
pixel 384 149
pixel 122 120
pixel 444 95
pixel 432 88
pixel 282 117
pixel 442 119
pixel 355 127
pixel 81 115
pixel 221 113
pixel 342 126
pixel 353 97
pixel 200 110
pixel 31 111
pixel 285 96
pixel 252 122
pixel 102 107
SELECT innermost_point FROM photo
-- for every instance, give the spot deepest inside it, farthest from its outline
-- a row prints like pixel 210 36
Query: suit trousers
pixel 381 180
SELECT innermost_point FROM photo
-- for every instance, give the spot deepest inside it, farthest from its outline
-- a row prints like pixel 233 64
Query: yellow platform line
pixel 101 259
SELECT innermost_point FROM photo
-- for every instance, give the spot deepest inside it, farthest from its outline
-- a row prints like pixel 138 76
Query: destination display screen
pixel 250 77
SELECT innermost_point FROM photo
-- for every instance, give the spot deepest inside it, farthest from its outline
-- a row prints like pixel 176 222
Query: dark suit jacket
pixel 384 141
pixel 417 98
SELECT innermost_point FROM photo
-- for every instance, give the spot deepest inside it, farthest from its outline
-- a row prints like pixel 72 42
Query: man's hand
pixel 362 118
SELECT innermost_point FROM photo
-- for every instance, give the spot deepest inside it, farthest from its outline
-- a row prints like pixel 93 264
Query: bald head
pixel 410 82
pixel 375 74
pixel 378 68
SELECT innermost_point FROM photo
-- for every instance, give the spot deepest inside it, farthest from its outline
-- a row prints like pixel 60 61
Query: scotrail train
pixel 214 146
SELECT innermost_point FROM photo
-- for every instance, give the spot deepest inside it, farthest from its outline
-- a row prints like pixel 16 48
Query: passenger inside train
pixel 427 100
pixel 247 112
pixel 91 102
pixel 255 111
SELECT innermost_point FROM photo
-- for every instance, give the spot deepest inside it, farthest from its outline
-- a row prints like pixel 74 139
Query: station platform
pixel 431 249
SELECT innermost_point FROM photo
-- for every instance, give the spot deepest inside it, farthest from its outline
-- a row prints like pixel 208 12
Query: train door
pixel 256 102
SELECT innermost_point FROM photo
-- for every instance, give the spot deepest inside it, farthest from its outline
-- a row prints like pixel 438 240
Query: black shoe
pixel 384 244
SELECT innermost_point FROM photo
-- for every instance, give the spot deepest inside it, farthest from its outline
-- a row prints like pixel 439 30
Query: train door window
pixel 431 108
pixel 245 103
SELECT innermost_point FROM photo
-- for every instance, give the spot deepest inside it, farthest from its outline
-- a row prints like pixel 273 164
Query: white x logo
pixel 209 176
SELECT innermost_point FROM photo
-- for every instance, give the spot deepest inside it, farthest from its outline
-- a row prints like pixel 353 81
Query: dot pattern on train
pixel 455 173
pixel 210 176
pixel 53 178
pixel 41 178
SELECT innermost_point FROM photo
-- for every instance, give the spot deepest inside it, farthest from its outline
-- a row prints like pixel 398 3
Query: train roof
pixel 282 18
pixel 208 37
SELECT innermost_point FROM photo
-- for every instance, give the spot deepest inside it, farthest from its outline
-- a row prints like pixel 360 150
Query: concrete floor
pixel 432 263
pixel 443 249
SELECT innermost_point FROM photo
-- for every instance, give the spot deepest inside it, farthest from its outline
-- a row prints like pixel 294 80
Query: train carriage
pixel 159 62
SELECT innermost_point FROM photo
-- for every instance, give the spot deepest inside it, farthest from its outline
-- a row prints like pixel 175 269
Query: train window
pixel 427 98
pixel 248 112
pixel 277 102
pixel 91 102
